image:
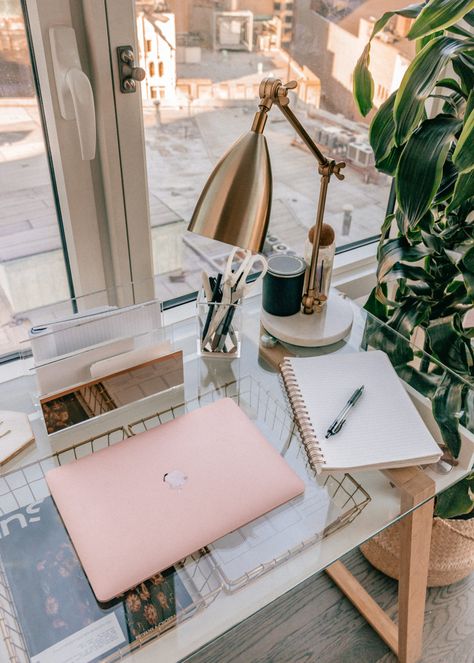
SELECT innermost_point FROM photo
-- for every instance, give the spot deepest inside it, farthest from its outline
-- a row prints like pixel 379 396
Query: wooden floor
pixel 315 623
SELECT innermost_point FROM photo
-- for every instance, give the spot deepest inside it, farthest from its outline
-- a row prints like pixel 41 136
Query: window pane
pixel 207 61
pixel 32 267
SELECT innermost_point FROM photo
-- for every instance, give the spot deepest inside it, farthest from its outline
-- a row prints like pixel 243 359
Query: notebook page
pixel 383 428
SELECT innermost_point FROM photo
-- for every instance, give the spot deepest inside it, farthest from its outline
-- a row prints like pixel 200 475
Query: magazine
pixel 60 618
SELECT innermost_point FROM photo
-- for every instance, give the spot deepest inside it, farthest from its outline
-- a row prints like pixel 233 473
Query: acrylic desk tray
pixel 326 506
pixel 45 599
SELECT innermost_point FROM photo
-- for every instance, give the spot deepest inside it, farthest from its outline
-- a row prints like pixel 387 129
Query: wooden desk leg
pixel 415 539
pixel 406 638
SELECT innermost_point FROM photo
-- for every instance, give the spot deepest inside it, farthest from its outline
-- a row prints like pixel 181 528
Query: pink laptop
pixel 140 506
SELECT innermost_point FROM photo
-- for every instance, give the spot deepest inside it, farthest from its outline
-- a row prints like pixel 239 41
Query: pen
pixel 226 327
pixel 215 298
pixel 340 420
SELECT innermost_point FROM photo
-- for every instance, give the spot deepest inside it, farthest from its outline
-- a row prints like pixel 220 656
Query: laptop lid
pixel 134 509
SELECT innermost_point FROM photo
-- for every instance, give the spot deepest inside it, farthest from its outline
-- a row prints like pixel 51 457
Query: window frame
pixel 97 198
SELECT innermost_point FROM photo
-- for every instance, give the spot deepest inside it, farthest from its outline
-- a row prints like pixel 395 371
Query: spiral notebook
pixel 383 430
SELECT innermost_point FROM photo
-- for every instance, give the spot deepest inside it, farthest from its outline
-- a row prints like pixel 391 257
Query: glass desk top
pixel 213 590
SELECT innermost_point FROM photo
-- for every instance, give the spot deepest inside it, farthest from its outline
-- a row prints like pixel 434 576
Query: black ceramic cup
pixel 283 285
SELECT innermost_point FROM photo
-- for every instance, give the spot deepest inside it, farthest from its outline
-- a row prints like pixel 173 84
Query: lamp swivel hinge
pixel 332 168
pixel 272 90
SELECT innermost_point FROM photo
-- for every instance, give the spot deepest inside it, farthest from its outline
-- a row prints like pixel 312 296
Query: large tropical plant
pixel 425 275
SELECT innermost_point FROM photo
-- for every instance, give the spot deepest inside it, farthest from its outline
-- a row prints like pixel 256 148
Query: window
pixel 33 270
pixel 207 100
pixel 211 61
pixel 86 204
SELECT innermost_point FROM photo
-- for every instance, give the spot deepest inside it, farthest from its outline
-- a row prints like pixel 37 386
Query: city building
pixel 283 9
pixel 331 48
pixel 156 34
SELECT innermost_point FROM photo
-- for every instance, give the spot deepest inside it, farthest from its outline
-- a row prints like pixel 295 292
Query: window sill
pixel 354 274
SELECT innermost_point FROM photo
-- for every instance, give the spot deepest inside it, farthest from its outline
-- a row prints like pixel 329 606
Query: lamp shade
pixel 234 206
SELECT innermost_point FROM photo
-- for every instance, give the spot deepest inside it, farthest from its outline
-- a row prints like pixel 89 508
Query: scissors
pixel 235 286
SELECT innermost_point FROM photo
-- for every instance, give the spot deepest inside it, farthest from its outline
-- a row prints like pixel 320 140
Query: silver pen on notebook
pixel 340 420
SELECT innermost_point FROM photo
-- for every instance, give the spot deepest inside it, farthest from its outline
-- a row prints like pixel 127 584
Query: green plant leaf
pixel 380 336
pixel 381 133
pixel 385 227
pixel 453 102
pixel 459 30
pixel 463 190
pixel 398 250
pixel 448 182
pixel 419 81
pixel 411 11
pixel 463 65
pixel 447 406
pixel 469 18
pixel 382 129
pixel 432 240
pixel 469 104
pixel 389 165
pixel 375 307
pixel 412 313
pixel 425 383
pixel 439 14
pixel 449 344
pixel 421 43
pixel 451 84
pixel 402 223
pixel 410 273
pixel 466 267
pixel 363 83
pixel 420 169
pixel 456 500
pixel 468 419
pixel 463 156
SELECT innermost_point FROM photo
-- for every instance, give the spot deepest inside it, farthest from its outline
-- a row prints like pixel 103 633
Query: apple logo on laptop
pixel 175 479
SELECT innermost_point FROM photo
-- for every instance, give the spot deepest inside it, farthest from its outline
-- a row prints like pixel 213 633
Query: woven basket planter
pixel 451 555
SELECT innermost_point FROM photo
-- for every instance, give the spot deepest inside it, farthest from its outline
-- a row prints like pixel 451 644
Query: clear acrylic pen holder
pixel 219 328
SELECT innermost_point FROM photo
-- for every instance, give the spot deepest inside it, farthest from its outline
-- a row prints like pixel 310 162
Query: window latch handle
pixel 75 96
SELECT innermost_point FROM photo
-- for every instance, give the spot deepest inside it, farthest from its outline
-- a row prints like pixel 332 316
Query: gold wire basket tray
pixel 205 579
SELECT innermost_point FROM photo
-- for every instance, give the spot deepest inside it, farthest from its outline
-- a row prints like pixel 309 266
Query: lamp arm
pixel 326 169
pixel 273 91
pixel 304 135
pixel 311 288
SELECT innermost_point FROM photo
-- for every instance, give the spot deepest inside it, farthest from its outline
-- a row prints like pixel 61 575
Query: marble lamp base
pixel 326 327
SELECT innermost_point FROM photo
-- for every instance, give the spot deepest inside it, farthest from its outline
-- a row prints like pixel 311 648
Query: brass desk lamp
pixel 234 207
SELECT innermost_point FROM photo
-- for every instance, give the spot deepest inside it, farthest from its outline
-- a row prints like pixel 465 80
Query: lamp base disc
pixel 330 325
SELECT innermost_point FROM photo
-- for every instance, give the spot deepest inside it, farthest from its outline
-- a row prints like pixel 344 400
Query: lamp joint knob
pixel 337 170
